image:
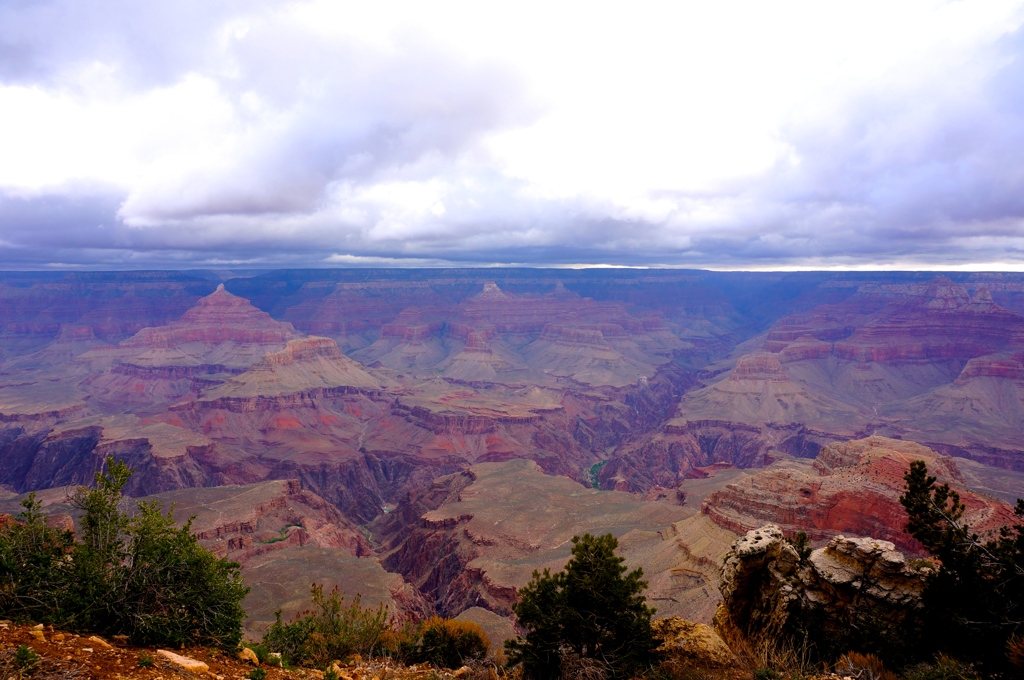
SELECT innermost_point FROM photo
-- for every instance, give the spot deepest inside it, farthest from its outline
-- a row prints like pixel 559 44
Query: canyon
pixel 427 438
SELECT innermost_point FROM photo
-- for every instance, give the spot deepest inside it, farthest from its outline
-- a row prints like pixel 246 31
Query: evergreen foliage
pixel 975 601
pixel 132 574
pixel 593 610
pixel 35 566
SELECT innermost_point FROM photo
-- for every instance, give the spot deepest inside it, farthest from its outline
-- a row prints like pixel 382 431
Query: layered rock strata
pixel 851 487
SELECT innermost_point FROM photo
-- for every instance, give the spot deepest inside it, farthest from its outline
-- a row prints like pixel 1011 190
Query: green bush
pixel 145 660
pixel 257 674
pixel 25 658
pixel 450 643
pixel 331 631
pixel 131 574
pixel 974 602
pixel 591 613
pixel 35 566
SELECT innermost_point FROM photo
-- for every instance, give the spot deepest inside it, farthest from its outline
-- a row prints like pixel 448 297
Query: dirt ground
pixel 66 656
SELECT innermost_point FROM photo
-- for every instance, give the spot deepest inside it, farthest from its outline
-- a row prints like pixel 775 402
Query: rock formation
pixel 852 488
pixel 854 594
pixel 663 383
pixel 685 644
pixel 929 363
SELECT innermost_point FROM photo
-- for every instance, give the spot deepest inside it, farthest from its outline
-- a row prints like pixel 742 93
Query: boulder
pixel 684 643
pixel 855 593
pixel 246 654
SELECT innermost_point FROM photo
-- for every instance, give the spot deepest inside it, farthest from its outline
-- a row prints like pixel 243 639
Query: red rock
pixel 217 318
pixel 853 488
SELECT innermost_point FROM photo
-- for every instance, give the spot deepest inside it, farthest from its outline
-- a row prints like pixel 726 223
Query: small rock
pixel 246 654
pixel 38 635
pixel 463 672
pixel 184 662
pixel 86 649
pixel 120 639
pixel 99 642
pixel 38 626
pixel 57 637
pixel 356 659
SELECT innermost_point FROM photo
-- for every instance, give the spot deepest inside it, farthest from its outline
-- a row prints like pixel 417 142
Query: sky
pixel 726 135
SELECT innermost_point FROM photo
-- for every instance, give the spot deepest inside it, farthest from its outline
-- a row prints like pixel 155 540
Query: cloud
pixel 321 133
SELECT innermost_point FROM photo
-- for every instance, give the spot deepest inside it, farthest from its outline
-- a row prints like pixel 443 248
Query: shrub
pixel 863 667
pixel 944 668
pixel 136 575
pixel 765 673
pixel 331 631
pixel 450 643
pixel 145 660
pixel 35 568
pixel 25 658
pixel 257 674
pixel 401 641
pixel 802 544
pixel 593 610
pixel 1015 652
pixel 975 600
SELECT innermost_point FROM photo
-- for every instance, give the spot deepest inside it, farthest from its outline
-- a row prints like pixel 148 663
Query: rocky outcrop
pixel 217 318
pixel 163 457
pixel 676 453
pixel 851 487
pixel 221 336
pixel 854 594
pixel 304 366
pixel 245 522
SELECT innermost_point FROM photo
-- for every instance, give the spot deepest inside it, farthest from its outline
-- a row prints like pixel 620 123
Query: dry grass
pixel 863 667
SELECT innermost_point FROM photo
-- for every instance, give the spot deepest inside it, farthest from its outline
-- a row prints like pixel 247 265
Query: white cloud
pixel 689 133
